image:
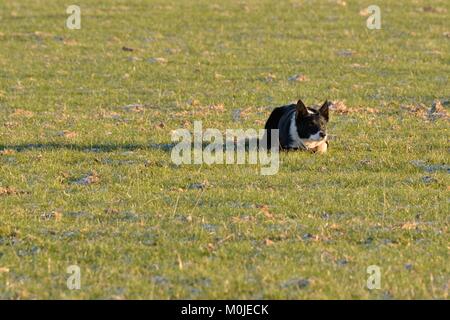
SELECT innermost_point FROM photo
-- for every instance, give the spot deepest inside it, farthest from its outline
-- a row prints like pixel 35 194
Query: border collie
pixel 300 127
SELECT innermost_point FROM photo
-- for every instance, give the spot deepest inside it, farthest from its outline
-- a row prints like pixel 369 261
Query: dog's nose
pixel 322 134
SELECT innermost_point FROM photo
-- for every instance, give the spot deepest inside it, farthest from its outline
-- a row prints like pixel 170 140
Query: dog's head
pixel 312 123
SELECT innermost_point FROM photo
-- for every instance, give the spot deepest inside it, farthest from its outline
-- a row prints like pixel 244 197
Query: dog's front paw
pixel 322 148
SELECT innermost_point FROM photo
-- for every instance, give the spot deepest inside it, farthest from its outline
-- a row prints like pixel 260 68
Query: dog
pixel 300 127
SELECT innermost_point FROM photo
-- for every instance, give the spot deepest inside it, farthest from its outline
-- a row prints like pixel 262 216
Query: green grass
pixel 140 231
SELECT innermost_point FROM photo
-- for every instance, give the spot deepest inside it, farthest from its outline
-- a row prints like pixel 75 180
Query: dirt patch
pixel 7 152
pixel 10 191
pixel 340 107
pixel 436 111
pixel 431 9
pixel 67 134
pixel 22 113
pixel 298 78
pixel 430 167
pixel 90 178
pixel 158 60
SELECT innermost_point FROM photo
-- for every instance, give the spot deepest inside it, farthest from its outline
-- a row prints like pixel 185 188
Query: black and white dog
pixel 300 127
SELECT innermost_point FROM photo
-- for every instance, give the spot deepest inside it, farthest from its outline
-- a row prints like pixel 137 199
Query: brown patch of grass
pixel 7 152
pixel 91 178
pixel 420 110
pixel 22 113
pixel 9 191
pixel 340 107
pixel 67 134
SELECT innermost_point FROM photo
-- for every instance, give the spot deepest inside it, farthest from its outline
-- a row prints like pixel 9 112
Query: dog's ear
pixel 324 109
pixel 301 109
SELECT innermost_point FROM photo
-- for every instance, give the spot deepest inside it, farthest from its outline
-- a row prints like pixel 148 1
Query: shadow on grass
pixel 107 147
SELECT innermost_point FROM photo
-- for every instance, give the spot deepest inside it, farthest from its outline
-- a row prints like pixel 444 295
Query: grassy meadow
pixel 86 176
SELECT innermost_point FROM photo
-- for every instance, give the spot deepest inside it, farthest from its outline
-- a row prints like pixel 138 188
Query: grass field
pixel 86 176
